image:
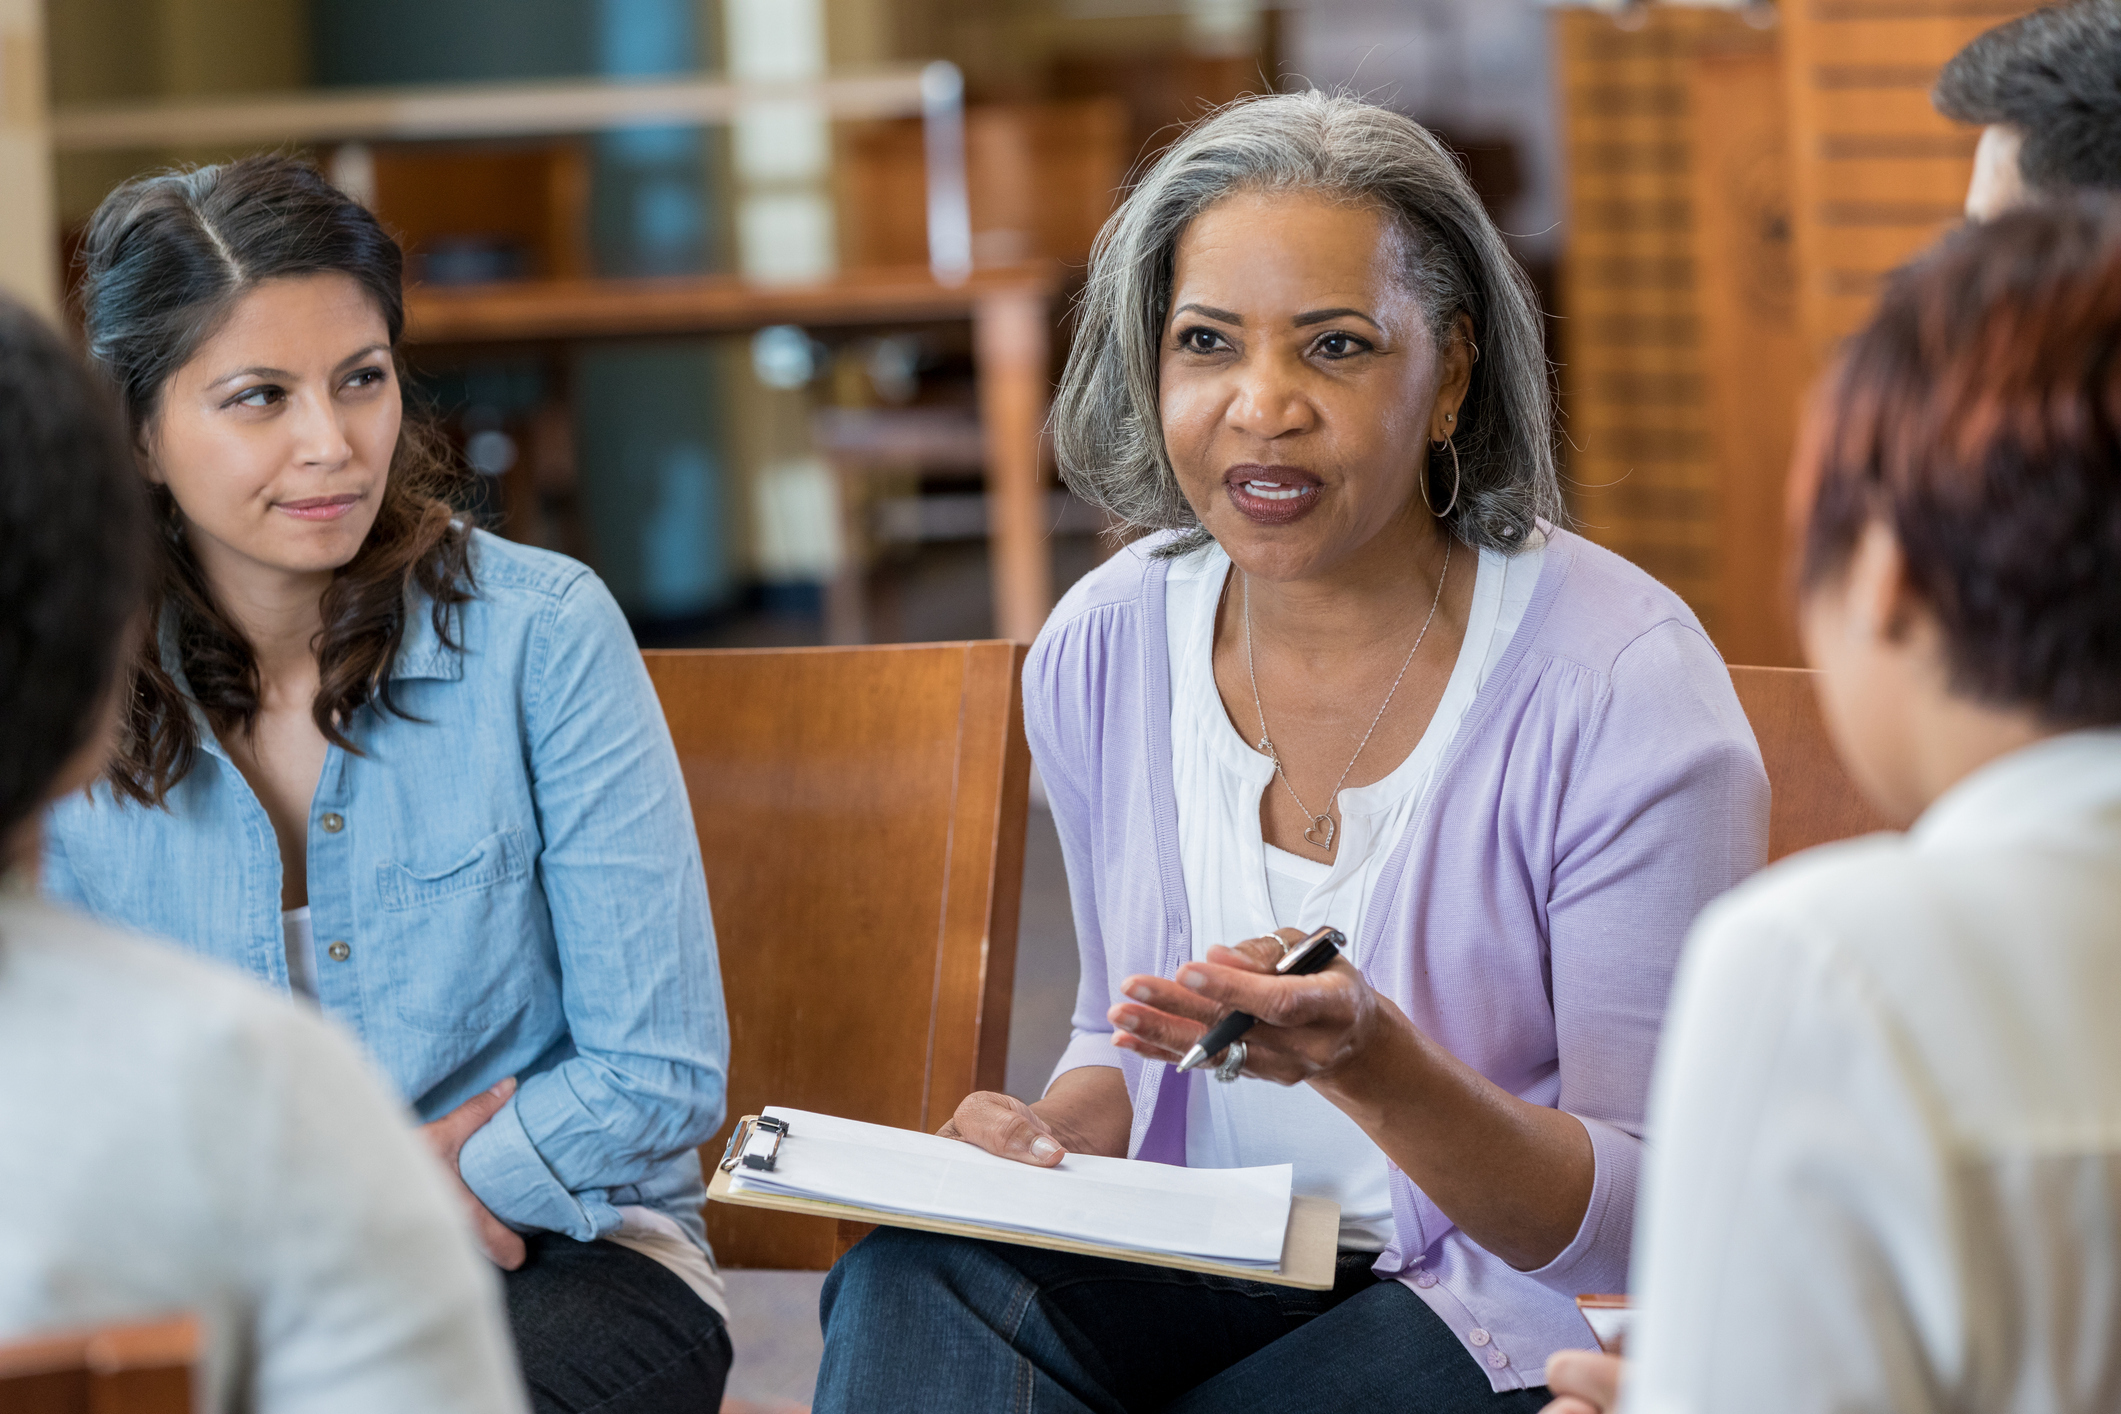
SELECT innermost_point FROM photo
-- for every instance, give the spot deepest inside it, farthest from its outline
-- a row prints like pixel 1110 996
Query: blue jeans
pixel 915 1321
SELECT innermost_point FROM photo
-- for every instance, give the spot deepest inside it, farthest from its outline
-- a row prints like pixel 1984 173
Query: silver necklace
pixel 1324 823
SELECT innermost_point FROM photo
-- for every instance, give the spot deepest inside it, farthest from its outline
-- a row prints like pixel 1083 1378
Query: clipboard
pixel 1307 1254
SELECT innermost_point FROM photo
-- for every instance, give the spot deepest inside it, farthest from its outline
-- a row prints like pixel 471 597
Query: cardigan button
pixel 339 952
pixel 332 823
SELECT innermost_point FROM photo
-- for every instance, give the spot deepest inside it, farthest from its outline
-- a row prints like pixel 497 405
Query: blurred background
pixel 756 305
pixel 813 465
pixel 770 347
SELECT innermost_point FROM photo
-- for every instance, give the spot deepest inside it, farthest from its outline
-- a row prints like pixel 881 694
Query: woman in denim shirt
pixel 412 770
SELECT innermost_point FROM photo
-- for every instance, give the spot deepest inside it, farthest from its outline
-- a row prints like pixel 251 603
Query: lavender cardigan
pixel 1602 788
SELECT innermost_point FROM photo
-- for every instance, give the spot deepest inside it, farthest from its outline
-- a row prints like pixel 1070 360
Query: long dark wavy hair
pixel 166 259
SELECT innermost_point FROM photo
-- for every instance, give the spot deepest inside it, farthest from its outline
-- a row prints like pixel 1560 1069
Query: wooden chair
pixel 132 1369
pixel 1815 802
pixel 859 442
pixel 861 814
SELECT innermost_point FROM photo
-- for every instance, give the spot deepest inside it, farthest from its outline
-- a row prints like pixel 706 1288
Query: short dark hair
pixel 1978 415
pixel 2055 76
pixel 74 547
pixel 167 257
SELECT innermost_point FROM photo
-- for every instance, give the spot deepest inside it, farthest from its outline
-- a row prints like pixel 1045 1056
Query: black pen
pixel 1313 954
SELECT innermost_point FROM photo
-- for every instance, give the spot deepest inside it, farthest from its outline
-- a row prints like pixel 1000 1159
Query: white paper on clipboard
pixel 1239 1216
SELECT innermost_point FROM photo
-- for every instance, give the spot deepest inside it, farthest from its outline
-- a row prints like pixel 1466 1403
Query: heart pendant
pixel 1320 822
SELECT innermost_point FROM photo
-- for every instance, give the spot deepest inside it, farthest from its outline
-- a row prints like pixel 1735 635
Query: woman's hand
pixel 1002 1124
pixel 1516 1177
pixel 1583 1382
pixel 1310 1028
pixel 1085 1111
pixel 446 1138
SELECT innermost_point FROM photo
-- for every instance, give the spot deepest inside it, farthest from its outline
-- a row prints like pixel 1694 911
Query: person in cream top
pixel 1888 1170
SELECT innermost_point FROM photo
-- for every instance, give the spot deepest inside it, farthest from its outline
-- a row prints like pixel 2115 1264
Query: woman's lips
pixel 1271 495
pixel 320 507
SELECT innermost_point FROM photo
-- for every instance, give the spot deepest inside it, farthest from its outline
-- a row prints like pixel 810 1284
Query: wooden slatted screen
pixel 1877 173
pixel 1752 360
pixel 1641 461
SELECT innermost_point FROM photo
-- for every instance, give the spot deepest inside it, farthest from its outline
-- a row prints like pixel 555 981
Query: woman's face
pixel 276 437
pixel 1299 385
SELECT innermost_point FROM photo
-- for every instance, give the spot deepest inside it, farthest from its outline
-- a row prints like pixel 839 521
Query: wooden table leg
pixel 1009 344
pixel 846 593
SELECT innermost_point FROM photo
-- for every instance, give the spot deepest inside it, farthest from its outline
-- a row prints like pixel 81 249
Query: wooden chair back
pixel 861 815
pixel 1815 802
pixel 132 1369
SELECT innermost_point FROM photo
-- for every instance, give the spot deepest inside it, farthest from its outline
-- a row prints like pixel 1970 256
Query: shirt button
pixel 1496 1359
pixel 332 823
pixel 1425 1280
pixel 339 952
pixel 1478 1336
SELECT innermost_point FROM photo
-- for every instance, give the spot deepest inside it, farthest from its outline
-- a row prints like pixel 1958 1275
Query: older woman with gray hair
pixel 1356 676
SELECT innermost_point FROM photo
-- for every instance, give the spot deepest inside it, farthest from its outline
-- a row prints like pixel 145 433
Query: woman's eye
pixel 264 395
pixel 1337 345
pixel 365 378
pixel 1200 341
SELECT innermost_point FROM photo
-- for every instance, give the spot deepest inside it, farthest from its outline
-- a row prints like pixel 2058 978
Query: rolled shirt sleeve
pixel 641 986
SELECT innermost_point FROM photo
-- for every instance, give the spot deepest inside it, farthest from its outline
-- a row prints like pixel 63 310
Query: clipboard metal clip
pixel 747 1146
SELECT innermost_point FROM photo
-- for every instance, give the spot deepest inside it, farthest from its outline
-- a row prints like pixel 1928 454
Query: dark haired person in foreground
pixel 2046 90
pixel 407 769
pixel 1888 1108
pixel 172 1137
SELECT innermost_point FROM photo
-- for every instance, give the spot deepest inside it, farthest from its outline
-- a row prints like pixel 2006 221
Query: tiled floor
pixel 773 1326
pixel 773 1315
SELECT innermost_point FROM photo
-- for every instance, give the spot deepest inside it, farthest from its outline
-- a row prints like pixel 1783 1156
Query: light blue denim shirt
pixel 513 873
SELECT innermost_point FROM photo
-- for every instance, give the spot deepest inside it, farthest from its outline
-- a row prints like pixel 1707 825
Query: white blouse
pixel 1887 1108
pixel 1239 886
pixel 299 934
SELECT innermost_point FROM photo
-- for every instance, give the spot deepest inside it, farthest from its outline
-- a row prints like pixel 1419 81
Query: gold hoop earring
pixel 1457 477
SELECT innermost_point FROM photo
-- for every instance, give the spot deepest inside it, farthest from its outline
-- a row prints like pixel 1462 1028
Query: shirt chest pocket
pixel 498 859
pixel 468 938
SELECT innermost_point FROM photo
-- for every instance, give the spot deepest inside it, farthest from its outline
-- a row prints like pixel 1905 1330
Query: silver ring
pixel 1233 1063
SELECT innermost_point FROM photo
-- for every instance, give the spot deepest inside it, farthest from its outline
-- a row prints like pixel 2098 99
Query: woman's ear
pixel 144 458
pixel 1456 365
pixel 1880 597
